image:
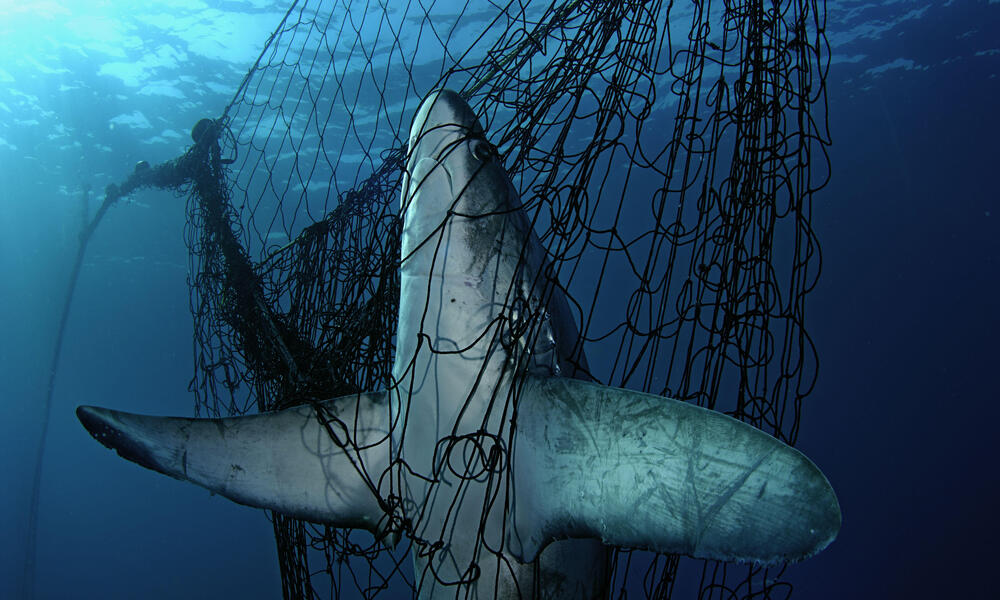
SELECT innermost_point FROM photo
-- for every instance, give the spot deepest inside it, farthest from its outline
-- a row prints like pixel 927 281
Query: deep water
pixel 905 315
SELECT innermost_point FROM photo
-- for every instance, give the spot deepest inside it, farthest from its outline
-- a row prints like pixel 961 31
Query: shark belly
pixel 452 422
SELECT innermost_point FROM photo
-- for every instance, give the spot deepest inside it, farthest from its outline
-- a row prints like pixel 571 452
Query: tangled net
pixel 671 151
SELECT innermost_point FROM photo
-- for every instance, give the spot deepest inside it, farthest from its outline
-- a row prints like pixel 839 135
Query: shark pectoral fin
pixel 644 471
pixel 316 462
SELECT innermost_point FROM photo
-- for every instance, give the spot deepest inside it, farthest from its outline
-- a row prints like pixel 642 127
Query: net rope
pixel 666 154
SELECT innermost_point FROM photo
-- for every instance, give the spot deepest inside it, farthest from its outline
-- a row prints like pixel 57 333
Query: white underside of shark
pixel 510 470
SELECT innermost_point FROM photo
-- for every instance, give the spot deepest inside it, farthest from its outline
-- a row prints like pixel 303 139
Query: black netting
pixel 666 154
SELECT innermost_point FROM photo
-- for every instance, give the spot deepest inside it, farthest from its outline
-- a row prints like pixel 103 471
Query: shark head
pixel 455 180
pixel 449 152
pixel 464 227
pixel 491 447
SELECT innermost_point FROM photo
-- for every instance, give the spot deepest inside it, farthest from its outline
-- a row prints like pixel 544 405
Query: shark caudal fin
pixel 644 471
pixel 314 462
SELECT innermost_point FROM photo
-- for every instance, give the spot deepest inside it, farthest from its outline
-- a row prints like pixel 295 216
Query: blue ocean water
pixel 905 318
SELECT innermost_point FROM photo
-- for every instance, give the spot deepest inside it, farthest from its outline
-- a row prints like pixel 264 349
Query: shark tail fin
pixel 317 462
pixel 644 471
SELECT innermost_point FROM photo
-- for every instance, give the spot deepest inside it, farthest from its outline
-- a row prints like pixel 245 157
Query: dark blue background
pixel 904 419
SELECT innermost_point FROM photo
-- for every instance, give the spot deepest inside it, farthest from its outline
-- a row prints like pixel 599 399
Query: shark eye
pixel 482 150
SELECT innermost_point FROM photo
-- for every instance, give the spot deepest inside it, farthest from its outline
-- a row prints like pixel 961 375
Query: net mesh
pixel 667 155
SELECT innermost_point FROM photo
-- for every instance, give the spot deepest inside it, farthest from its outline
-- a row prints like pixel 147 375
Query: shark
pixel 493 448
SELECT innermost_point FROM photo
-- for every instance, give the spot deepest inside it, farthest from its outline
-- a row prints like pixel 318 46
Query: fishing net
pixel 667 155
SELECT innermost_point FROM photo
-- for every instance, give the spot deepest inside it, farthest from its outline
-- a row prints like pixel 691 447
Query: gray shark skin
pixel 512 469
